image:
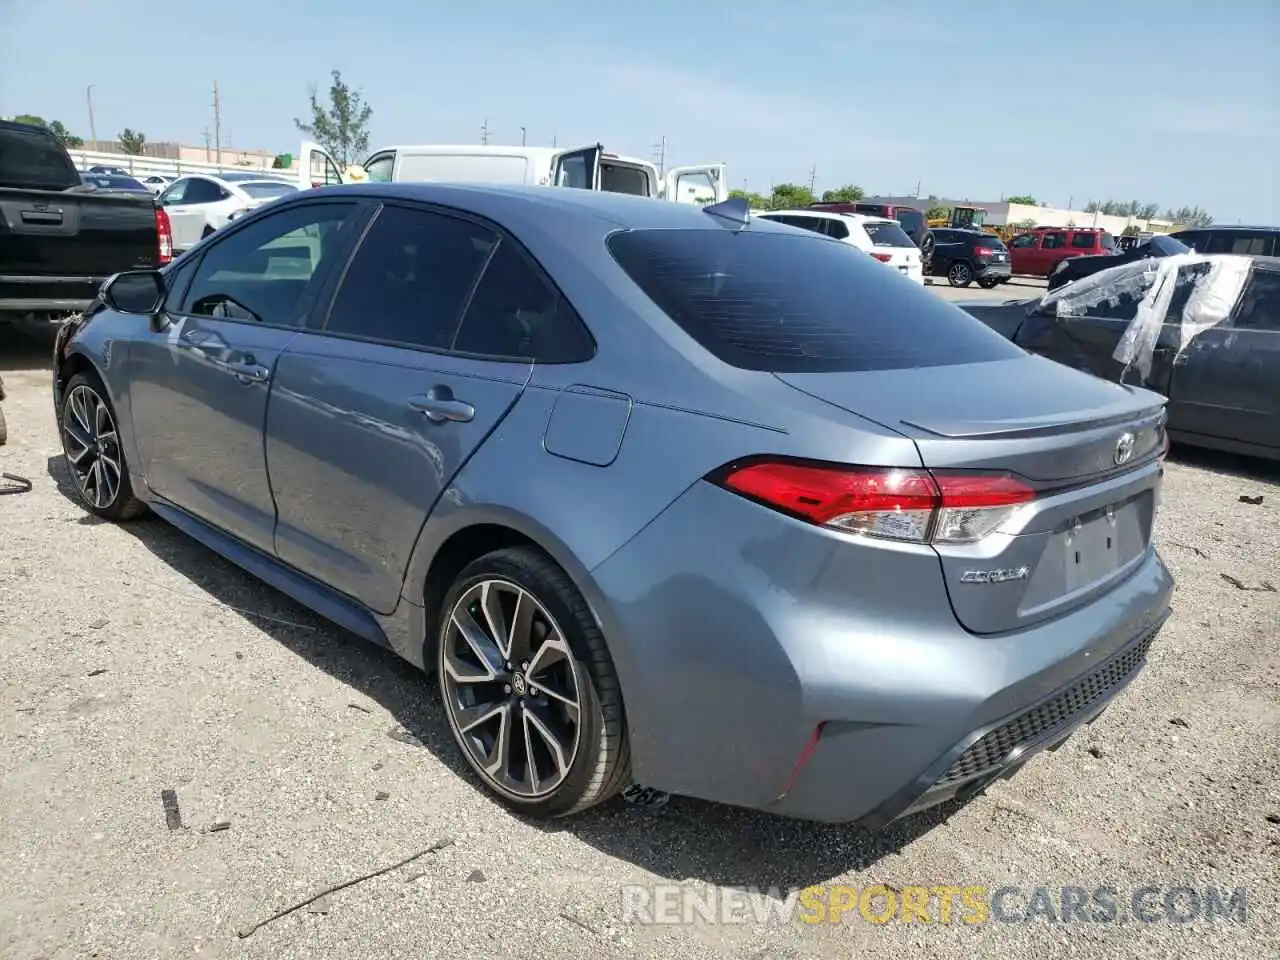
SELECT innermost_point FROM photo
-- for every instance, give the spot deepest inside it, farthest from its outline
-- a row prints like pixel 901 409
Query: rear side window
pixel 1084 241
pixel 517 314
pixel 837 229
pixel 794 304
pixel 1108 241
pixel 1053 241
pixel 872 209
pixel 887 234
pixel 410 279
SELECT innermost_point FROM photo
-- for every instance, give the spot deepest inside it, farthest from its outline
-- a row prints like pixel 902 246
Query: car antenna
pixel 735 210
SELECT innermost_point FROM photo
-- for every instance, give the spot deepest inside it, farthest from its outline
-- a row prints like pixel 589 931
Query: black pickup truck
pixel 60 239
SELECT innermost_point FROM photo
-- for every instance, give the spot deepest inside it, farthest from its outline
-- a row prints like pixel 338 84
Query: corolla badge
pixel 995 576
pixel 1124 449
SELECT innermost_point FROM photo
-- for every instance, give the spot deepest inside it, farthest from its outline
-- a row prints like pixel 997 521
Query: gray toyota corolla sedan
pixel 661 494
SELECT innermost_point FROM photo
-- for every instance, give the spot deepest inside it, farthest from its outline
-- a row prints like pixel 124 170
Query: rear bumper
pixel 27 294
pixel 992 271
pixel 737 633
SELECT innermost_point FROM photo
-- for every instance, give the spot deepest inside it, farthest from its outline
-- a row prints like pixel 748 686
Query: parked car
pixel 1221 384
pixel 106 181
pixel 1255 241
pixel 59 240
pixel 109 171
pixel 963 256
pixel 883 239
pixel 157 182
pixel 665 494
pixel 911 219
pixel 1074 268
pixel 1036 252
pixel 198 205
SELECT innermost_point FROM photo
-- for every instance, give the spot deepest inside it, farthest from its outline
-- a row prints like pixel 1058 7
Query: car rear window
pixel 887 233
pixel 267 189
pixel 911 220
pixel 789 303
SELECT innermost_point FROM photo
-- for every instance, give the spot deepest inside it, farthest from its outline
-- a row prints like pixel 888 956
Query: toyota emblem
pixel 1124 449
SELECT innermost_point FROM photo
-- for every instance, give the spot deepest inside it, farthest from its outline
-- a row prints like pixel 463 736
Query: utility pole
pixel 207 141
pixel 553 141
pixel 522 136
pixel 93 130
pixel 660 155
pixel 813 177
pixel 484 132
pixel 917 188
pixel 217 124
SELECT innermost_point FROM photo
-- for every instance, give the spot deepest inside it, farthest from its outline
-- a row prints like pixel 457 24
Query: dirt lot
pixel 133 660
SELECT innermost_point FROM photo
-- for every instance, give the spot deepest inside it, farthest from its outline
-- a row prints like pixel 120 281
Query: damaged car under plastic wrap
pixel 1216 282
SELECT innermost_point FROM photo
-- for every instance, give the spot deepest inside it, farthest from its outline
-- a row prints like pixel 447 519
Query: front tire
pixel 529 688
pixel 95 458
pixel 959 274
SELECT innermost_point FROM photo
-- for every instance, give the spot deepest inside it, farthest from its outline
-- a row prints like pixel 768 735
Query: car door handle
pixel 439 406
pixel 249 372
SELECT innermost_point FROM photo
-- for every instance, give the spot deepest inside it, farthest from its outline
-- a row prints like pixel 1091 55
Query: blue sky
pixel 1175 102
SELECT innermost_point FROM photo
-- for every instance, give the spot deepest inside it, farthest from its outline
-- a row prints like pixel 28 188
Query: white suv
pixel 882 238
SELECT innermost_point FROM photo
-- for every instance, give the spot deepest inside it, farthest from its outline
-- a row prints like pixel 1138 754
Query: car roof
pixel 1227 228
pixel 832 215
pixel 497 200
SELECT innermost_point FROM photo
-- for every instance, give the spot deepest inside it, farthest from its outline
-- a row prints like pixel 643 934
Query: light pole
pixel 522 136
pixel 93 130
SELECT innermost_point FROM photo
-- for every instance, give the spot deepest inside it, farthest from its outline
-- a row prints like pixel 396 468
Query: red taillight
pixel 883 257
pixel 164 237
pixel 984 251
pixel 895 504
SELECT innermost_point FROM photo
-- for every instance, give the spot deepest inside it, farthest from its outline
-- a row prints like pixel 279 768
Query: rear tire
pixel 91 445
pixel 959 274
pixel 4 430
pixel 519 654
pixel 988 283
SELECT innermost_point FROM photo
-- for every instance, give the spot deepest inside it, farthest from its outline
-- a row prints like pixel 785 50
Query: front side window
pixel 1024 240
pixel 411 278
pixel 381 168
pixel 1053 241
pixel 265 272
pixel 175 194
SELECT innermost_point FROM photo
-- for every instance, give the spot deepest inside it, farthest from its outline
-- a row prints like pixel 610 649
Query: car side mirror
pixel 140 292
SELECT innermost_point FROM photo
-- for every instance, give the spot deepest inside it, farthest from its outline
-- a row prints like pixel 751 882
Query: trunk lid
pixel 1092 449
pixel 50 233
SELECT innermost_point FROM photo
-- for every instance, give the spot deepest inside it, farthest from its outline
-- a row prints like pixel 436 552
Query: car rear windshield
pixel 887 233
pixel 33 159
pixel 267 189
pixel 790 303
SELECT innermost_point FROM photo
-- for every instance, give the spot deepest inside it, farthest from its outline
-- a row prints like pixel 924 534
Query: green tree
pixel 789 196
pixel 341 128
pixel 1027 224
pixel 846 194
pixel 1189 216
pixel 754 200
pixel 64 136
pixel 132 141
pixel 938 213
pixel 1025 199
pixel 1130 231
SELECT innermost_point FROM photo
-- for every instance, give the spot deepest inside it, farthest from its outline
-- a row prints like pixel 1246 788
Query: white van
pixel 586 168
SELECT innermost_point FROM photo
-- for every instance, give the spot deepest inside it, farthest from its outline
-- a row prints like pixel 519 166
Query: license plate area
pixel 1092 550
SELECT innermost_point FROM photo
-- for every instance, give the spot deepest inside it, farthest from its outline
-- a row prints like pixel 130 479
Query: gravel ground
pixel 134 660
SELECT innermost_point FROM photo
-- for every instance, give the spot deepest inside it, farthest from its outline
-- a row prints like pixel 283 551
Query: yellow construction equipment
pixel 961 218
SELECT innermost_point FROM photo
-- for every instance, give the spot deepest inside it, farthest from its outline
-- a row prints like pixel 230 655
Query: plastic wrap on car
pixel 1153 284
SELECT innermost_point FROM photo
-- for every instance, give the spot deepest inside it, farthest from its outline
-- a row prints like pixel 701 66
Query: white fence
pixel 145 166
